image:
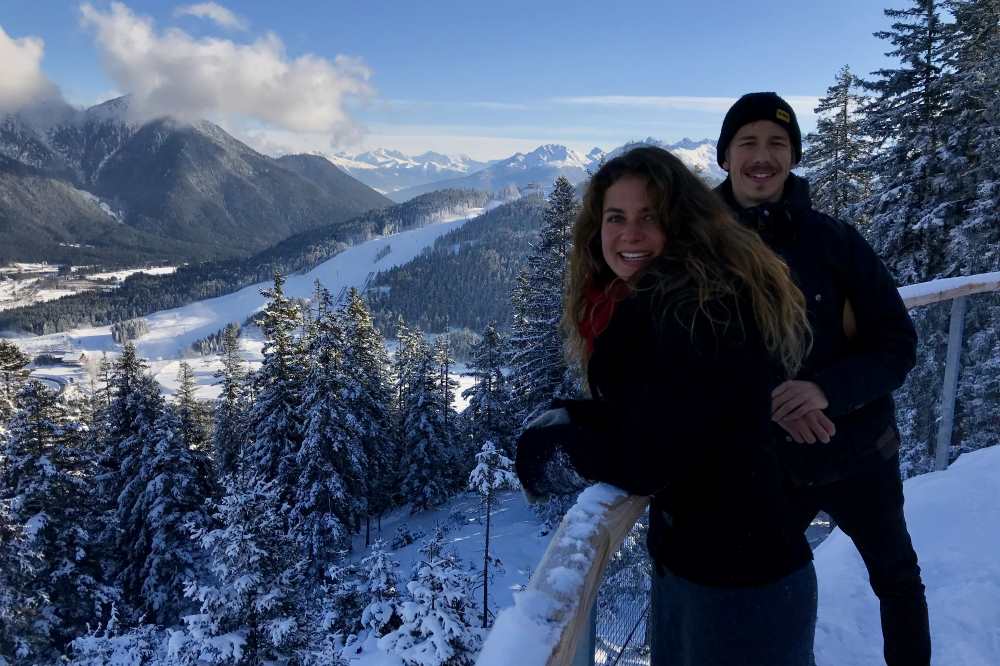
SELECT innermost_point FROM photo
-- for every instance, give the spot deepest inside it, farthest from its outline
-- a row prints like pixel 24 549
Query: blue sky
pixel 484 79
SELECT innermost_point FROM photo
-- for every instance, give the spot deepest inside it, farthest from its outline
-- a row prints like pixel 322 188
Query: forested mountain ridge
pixel 483 257
pixel 197 191
pixel 141 294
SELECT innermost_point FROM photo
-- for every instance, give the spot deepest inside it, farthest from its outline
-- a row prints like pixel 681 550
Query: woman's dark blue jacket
pixel 683 415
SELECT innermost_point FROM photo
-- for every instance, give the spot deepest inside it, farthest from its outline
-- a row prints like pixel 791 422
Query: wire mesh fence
pixel 622 604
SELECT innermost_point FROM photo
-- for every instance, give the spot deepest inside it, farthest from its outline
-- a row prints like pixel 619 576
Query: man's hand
pixel 815 425
pixel 794 399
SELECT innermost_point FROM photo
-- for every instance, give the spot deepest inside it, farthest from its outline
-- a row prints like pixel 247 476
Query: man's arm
pixel 884 350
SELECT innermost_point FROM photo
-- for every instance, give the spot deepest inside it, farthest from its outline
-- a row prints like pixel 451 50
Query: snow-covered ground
pixel 954 519
pixel 171 332
pixel 515 537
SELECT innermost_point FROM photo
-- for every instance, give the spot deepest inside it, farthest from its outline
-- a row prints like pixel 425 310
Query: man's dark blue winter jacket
pixel 833 264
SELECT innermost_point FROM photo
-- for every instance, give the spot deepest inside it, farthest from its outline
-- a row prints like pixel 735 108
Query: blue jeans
pixel 765 625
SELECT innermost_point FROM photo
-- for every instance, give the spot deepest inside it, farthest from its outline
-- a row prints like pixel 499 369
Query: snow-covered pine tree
pixel 426 473
pixel 13 373
pixel 275 420
pixel 252 603
pixel 229 432
pixel 44 500
pixel 407 344
pixel 381 587
pixel 368 396
pixel 330 496
pixel 837 149
pixel 344 600
pixel 438 616
pixel 488 415
pixel 493 472
pixel 128 519
pixel 194 417
pixel 972 164
pixel 905 116
pixel 20 601
pixel 460 461
pixel 539 370
pixel 175 480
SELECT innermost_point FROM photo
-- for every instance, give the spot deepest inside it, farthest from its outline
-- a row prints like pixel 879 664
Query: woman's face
pixel 631 235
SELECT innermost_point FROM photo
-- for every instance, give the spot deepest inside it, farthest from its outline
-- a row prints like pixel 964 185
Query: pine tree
pixel 381 587
pixel 437 618
pixel 368 397
pixel 20 600
pixel 330 495
pixel 275 420
pixel 44 495
pixel 252 605
pixel 194 419
pixel 13 373
pixel 229 433
pixel 494 472
pixel 539 370
pixel 175 480
pixel 973 188
pixel 837 149
pixel 488 414
pixel 132 544
pixel 425 480
pixel 905 116
pixel 459 464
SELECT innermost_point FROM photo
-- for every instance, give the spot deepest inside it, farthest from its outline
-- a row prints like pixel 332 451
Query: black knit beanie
pixel 759 106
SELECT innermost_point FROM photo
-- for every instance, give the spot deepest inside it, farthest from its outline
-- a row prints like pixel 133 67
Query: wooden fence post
pixel 953 361
pixel 585 648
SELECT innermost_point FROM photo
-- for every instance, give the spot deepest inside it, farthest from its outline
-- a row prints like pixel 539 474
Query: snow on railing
pixel 551 623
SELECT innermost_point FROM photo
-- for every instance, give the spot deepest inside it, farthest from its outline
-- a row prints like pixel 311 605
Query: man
pixel 837 418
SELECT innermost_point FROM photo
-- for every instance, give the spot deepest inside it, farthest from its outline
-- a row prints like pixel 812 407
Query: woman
pixel 684 322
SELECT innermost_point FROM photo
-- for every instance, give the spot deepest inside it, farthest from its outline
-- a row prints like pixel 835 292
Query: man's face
pixel 758 160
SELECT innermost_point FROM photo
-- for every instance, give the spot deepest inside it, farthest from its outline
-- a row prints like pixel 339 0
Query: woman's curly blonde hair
pixel 707 256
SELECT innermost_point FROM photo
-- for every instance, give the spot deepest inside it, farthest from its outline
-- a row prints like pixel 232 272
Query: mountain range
pixel 393 172
pixel 91 186
pixel 390 170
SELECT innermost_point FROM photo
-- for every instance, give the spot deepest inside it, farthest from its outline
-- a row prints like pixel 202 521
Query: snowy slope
pixel 954 519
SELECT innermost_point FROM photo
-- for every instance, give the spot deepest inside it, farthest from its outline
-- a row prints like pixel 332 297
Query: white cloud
pixel 21 79
pixel 213 12
pixel 173 73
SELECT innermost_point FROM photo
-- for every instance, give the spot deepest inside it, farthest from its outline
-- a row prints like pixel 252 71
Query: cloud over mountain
pixel 22 81
pixel 170 72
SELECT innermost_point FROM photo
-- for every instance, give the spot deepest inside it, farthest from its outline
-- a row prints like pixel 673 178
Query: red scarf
pixel 600 308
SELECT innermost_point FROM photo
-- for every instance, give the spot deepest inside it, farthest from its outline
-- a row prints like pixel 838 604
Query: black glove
pixel 542 462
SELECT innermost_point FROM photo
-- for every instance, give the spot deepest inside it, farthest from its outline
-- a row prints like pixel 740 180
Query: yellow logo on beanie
pixel 783 115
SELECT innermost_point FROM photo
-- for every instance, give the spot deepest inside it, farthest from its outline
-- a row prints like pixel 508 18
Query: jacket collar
pixel 775 222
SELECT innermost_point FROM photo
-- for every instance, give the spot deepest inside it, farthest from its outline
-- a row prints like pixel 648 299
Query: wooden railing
pixel 552 623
